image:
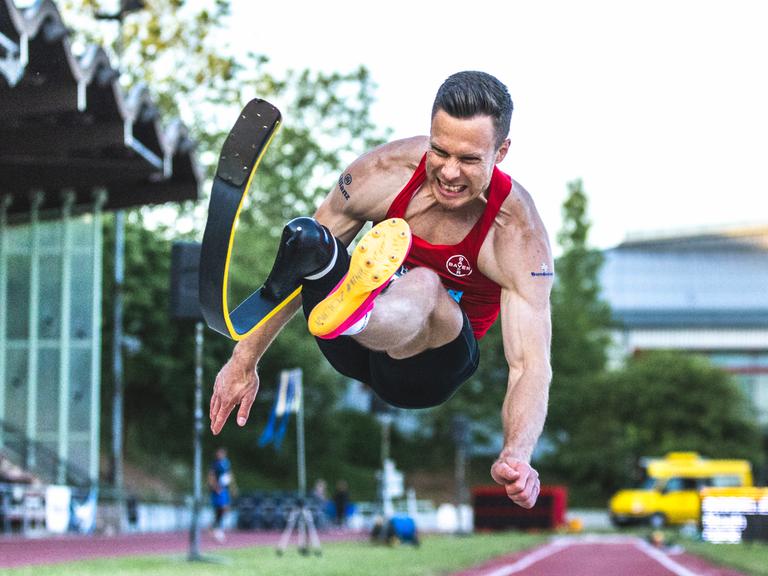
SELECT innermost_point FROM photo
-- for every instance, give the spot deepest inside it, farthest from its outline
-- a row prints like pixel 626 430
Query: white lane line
pixel 664 560
pixel 530 559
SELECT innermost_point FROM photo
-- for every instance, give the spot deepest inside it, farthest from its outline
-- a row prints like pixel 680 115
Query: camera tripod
pixel 300 519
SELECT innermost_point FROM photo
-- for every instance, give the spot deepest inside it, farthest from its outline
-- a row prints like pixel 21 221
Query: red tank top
pixel 456 265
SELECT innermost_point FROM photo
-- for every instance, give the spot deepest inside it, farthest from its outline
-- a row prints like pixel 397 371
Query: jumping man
pixel 457 244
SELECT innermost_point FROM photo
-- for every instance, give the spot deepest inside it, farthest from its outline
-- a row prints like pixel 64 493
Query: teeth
pixel 451 188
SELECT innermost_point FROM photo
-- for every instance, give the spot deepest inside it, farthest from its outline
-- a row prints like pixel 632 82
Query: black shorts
pixel 422 381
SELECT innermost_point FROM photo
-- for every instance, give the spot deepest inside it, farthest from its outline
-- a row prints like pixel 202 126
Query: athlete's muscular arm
pixel 362 193
pixel 367 187
pixel 523 267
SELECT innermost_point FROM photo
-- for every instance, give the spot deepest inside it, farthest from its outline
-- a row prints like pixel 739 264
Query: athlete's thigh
pixel 347 357
pixel 428 378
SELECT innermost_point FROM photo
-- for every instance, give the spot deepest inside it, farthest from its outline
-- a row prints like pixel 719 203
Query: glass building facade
pixel 50 311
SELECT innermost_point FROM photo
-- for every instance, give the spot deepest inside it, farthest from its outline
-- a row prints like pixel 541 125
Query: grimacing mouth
pixel 452 188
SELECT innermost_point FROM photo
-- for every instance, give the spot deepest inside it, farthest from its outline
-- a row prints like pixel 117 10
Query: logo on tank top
pixel 458 265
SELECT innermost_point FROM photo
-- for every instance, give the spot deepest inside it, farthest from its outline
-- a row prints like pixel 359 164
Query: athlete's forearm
pixel 251 348
pixel 525 410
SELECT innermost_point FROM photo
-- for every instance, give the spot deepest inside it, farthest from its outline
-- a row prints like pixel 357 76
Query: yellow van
pixel 670 492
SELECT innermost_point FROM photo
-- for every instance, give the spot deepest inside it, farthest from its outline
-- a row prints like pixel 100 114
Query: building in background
pixel 703 292
pixel 73 146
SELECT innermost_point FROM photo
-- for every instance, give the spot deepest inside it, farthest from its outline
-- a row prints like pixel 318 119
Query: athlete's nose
pixel 450 170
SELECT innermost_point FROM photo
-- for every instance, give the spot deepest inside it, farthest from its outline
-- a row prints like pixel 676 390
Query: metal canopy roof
pixel 65 123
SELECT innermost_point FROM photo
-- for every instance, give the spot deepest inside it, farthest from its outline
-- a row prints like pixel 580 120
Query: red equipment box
pixel 493 510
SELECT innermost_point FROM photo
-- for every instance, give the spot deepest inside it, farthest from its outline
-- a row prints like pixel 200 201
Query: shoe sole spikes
pixel 375 259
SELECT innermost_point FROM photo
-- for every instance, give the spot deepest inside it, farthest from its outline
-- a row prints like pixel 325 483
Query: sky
pixel 660 107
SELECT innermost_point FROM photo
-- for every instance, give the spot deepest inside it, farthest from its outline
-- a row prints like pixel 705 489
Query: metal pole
pixel 97 244
pixel 34 343
pixel 302 466
pixel 387 506
pixel 461 467
pixel 461 437
pixel 386 438
pixel 64 334
pixel 4 203
pixel 194 532
pixel 117 364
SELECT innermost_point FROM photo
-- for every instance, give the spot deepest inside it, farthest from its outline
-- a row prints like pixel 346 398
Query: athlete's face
pixel 462 154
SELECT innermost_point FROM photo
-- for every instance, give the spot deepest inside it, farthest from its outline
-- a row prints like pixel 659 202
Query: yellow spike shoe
pixel 375 259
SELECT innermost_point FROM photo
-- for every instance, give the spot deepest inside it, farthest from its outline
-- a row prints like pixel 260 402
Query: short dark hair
pixel 469 93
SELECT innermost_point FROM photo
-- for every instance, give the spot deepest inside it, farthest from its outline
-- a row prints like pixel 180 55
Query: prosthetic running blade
pixel 240 156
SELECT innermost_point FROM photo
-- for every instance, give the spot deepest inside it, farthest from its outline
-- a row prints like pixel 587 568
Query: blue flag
pixel 286 402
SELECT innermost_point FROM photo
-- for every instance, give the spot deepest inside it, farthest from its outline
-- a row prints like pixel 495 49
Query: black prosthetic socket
pixel 306 247
pixel 316 290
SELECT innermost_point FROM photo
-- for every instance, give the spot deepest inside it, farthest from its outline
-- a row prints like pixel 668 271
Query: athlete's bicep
pixel 526 330
pixel 521 263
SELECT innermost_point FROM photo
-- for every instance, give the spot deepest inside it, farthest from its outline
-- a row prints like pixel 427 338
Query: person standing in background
pixel 341 501
pixel 221 484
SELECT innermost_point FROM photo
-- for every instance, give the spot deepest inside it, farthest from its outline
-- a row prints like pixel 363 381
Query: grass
pixel 438 555
pixel 750 558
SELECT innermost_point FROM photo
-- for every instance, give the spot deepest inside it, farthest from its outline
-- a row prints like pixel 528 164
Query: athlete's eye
pixel 441 153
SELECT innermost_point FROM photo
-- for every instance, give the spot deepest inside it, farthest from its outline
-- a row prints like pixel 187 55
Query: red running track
pixel 565 556
pixel 20 551
pixel 598 556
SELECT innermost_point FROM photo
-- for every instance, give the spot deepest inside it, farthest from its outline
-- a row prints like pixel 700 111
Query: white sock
pixel 328 268
pixel 358 326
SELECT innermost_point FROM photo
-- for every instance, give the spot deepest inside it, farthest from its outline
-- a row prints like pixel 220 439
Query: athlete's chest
pixel 438 225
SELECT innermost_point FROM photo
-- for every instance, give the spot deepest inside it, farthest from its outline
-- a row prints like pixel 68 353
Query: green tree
pixel 580 336
pixel 580 317
pixel 601 422
pixel 180 52
pixel 659 402
pixel 158 378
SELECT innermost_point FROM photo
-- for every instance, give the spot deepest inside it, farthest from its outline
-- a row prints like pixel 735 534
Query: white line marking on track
pixel 664 560
pixel 562 543
pixel 530 559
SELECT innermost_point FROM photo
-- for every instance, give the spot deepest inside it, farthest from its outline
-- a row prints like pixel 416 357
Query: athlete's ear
pixel 501 153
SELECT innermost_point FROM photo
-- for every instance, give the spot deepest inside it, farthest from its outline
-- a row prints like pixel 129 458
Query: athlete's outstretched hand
pixel 236 383
pixel 520 480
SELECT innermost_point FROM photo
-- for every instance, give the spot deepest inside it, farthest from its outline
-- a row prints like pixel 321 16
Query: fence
pixel 26 509
pixel 37 509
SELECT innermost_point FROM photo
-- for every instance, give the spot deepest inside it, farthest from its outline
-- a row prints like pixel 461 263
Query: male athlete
pixel 457 243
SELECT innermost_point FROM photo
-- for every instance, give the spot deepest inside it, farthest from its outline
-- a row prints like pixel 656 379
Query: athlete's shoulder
pixel 377 176
pixel 518 215
pixel 518 242
pixel 394 157
pixel 367 187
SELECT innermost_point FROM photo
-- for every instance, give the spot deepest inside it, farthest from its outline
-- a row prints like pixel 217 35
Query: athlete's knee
pixel 425 282
pixel 444 313
pixel 423 291
pixel 434 317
